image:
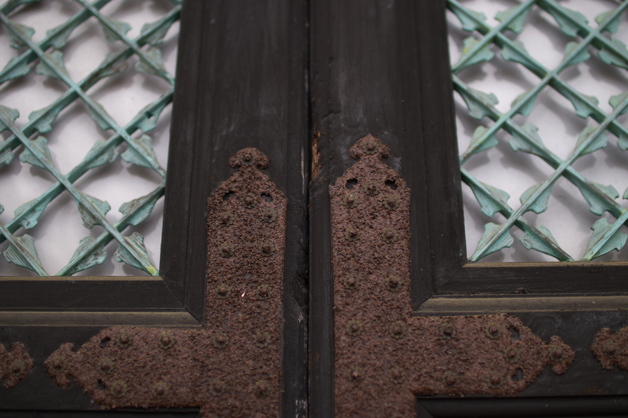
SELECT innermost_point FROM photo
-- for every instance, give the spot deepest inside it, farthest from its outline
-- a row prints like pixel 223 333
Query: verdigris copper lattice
pixel 231 368
pixel 485 44
pixel 130 141
pixel 385 357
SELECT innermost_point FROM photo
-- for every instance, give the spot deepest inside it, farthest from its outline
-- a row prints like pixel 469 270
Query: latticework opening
pixel 82 88
pixel 541 96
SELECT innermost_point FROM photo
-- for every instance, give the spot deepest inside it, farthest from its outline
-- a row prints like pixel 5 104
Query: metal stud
pixel 225 218
pixel 269 215
pixel 512 354
pixel 370 146
pixel 351 200
pixel 118 388
pixel 495 380
pixel 220 340
pixel 267 248
pixel 124 339
pixel 57 364
pixel 352 234
pixel 248 158
pixel 262 339
pixel 17 367
pixel 249 200
pixel 223 291
pixel 356 374
pixel 396 375
pixel 610 349
pixel 106 365
pixel 371 188
pixel 397 329
pixel 391 202
pixel 216 387
pixel 160 389
pixel 166 340
pixel 556 353
pixel 263 292
pixel 226 249
pixel 448 330
pixel 450 378
pixel 493 331
pixel 351 281
pixel 262 388
pixel 354 327
pixel 389 235
pixel 393 283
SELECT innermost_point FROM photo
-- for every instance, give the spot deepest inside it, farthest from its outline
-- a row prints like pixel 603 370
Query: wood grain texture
pixel 363 80
pixel 240 83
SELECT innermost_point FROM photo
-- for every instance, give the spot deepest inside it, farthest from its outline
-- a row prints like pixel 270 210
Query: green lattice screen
pixel 25 143
pixel 487 43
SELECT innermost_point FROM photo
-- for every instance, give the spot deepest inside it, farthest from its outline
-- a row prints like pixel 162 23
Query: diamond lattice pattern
pixel 28 145
pixel 601 128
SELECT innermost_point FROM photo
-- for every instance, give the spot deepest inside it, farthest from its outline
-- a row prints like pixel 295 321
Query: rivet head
pixel 370 147
pixel 160 389
pixel 450 378
pixel 393 283
pixel 124 340
pixel 493 331
pixel 354 327
pixel 106 365
pixel 610 349
pixel 267 248
pixel 397 329
pixel 448 330
pixel 391 202
pixel 356 374
pixel 220 340
pixel 57 364
pixel 216 387
pixel 389 235
pixel 269 215
pixel 17 367
pixel 352 234
pixel 223 291
pixel 495 380
pixel 166 340
pixel 351 281
pixel 118 388
pixel 396 375
pixel 351 200
pixel 371 188
pixel 262 339
pixel 263 292
pixel 225 218
pixel 556 353
pixel 512 354
pixel 247 158
pixel 249 200
pixel 262 388
pixel 226 249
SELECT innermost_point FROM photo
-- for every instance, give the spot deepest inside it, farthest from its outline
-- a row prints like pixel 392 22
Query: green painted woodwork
pixel 46 57
pixel 486 41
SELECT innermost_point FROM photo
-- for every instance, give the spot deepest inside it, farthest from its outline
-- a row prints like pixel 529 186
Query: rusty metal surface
pixel 611 348
pixel 231 368
pixel 384 357
pixel 15 365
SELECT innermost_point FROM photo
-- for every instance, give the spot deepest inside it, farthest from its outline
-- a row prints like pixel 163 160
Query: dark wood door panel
pixel 240 84
pixel 382 68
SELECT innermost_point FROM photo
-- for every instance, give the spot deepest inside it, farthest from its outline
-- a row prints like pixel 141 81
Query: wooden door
pixel 326 128
pixel 78 345
pixel 401 323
